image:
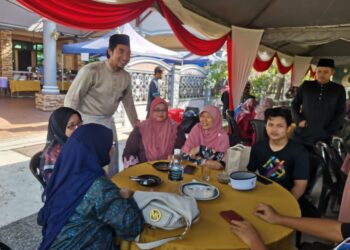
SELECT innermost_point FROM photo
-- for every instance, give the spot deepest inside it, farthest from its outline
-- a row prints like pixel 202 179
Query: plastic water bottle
pixel 176 169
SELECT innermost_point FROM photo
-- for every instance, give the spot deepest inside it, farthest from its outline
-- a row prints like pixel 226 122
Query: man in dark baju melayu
pixel 319 106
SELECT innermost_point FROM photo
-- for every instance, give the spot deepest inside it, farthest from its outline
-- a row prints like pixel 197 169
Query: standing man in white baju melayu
pixel 100 86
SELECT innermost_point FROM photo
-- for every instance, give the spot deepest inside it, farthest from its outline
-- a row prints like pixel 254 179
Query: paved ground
pixel 23 133
pixel 19 118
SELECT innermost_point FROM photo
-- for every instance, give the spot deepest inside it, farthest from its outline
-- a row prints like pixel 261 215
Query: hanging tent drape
pixel 98 15
pixel 192 43
pixel 244 48
pixel 300 68
pixel 87 14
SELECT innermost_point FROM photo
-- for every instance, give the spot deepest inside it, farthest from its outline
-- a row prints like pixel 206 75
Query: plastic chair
pixel 259 130
pixel 4 247
pixel 234 135
pixel 194 109
pixel 34 166
pixel 3 84
pixel 190 118
pixel 333 178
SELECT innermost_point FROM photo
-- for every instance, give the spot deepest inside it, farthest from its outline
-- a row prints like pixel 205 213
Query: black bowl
pixel 161 166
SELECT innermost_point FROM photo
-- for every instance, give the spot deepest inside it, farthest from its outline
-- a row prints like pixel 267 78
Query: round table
pixel 212 231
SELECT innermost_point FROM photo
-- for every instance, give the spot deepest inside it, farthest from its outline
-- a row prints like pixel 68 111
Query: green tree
pixel 264 83
pixel 217 75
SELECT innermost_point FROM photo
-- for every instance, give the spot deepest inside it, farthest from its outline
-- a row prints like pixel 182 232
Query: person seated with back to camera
pixel 155 138
pixel 207 142
pixel 280 159
pixel 83 208
pixel 62 123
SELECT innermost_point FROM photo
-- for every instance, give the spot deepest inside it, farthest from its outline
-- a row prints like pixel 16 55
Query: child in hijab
pixel 155 138
pixel 62 123
pixel 207 139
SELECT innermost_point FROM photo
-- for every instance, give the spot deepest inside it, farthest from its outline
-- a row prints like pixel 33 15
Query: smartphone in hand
pixel 263 180
pixel 230 215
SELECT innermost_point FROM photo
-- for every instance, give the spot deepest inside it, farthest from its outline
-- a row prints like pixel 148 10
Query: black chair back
pixel 234 135
pixel 34 166
pixel 4 247
pixel 190 118
pixel 333 178
pixel 194 109
pixel 259 130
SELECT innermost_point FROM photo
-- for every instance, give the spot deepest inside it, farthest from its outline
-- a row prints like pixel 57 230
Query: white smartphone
pixel 345 245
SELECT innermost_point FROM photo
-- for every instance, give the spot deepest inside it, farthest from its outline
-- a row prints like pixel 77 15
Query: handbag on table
pixel 167 211
pixel 237 158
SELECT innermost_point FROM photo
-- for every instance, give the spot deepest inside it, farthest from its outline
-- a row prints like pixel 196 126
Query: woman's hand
pixel 213 164
pixel 194 152
pixel 126 193
pixel 267 213
pixel 248 234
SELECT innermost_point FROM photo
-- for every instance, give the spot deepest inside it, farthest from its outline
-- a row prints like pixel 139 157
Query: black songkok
pixel 323 62
pixel 119 39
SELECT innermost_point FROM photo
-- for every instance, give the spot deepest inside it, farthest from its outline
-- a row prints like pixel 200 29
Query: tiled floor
pixel 23 131
pixel 19 118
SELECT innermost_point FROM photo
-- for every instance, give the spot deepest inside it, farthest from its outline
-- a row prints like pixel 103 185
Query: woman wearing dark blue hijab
pixel 83 208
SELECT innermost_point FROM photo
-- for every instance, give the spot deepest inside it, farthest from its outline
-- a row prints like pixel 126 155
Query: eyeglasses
pixel 160 110
pixel 72 126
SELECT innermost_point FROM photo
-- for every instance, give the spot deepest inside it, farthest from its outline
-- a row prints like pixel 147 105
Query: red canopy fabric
pixel 192 43
pixel 260 65
pixel 87 14
pixel 281 68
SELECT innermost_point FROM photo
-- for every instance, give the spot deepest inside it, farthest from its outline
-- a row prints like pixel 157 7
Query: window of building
pixel 27 54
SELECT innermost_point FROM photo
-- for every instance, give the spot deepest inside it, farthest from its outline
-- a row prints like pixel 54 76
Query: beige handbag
pixel 237 158
pixel 166 211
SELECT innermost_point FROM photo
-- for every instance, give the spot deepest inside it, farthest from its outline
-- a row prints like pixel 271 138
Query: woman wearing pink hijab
pixel 207 139
pixel 155 138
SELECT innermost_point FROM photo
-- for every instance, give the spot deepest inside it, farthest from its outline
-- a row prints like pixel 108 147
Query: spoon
pixel 143 181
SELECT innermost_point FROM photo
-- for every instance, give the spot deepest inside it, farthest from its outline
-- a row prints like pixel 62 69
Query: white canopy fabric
pixel 139 46
pixel 300 67
pixel 245 44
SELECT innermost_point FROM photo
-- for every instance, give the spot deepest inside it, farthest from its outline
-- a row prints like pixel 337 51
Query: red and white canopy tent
pixel 242 25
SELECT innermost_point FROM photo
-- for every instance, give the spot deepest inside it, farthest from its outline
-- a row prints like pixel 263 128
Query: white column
pixel 50 58
pixel 175 87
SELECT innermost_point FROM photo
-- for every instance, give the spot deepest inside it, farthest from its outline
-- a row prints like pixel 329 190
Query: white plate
pixel 200 191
